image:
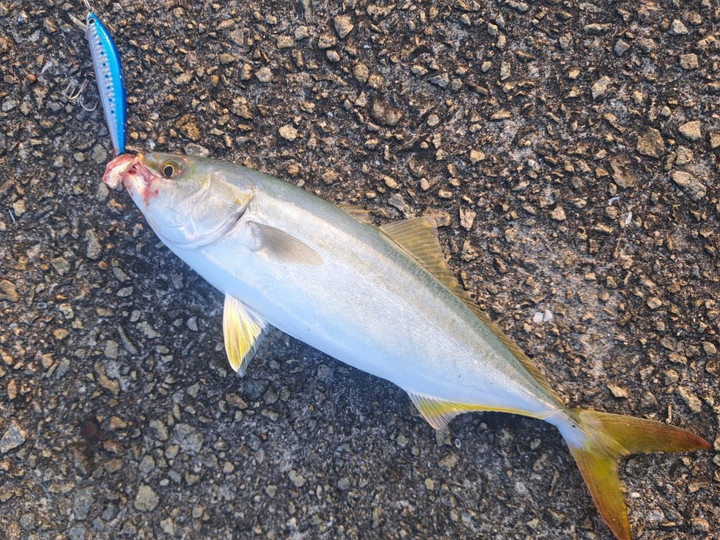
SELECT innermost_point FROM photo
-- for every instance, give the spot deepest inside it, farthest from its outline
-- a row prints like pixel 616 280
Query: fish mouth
pixel 131 172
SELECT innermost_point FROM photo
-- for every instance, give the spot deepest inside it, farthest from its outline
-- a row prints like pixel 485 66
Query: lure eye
pixel 170 169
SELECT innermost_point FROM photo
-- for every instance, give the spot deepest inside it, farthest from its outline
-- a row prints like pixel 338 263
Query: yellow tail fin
pixel 599 440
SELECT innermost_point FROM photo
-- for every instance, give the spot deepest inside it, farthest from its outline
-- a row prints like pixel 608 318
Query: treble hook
pixel 73 90
pixel 87 5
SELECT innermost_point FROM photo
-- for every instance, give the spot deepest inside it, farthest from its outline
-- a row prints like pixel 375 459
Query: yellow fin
pixel 242 329
pixel 358 212
pixel 439 412
pixel 598 440
pixel 418 236
pixel 283 247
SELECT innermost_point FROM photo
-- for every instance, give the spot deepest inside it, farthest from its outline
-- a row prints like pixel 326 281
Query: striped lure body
pixel 111 85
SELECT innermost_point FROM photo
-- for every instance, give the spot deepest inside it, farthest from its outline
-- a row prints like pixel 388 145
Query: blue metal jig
pixel 111 84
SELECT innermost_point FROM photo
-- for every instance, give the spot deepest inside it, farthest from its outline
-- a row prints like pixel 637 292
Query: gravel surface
pixel 570 152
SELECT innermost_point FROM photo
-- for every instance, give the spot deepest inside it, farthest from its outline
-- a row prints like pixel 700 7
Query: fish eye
pixel 170 169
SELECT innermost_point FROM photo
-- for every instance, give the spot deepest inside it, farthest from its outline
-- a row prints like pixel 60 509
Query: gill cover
pixel 188 203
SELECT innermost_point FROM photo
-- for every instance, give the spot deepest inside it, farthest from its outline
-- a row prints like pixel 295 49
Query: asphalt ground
pixel 569 151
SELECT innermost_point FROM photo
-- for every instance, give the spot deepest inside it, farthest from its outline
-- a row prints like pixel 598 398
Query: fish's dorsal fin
pixel 358 212
pixel 283 247
pixel 243 330
pixel 418 236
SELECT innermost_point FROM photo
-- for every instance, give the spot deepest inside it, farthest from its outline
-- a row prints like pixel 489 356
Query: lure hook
pixel 74 90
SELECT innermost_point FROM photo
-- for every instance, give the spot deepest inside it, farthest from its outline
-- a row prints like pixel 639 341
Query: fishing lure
pixel 108 72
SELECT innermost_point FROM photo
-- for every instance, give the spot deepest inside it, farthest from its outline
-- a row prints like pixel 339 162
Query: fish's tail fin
pixel 599 440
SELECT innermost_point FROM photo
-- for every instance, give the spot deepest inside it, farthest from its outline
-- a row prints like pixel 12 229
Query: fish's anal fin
pixel 438 412
pixel 243 329
pixel 418 236
pixel 283 247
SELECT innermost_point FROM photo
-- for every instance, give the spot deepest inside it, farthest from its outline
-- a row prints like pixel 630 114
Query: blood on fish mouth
pixel 116 169
pixel 132 172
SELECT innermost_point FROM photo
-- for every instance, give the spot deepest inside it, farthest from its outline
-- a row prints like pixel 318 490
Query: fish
pixel 381 299
pixel 110 80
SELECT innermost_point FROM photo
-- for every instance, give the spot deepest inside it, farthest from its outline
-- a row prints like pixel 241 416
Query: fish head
pixel 185 199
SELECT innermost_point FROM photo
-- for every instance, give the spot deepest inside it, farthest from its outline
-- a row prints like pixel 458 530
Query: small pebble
pixel 476 156
pixel 677 28
pixel 93 249
pixel 146 500
pixel 690 399
pixel 385 113
pixel 343 25
pixel 8 291
pixel 361 72
pixel 326 41
pixel 621 46
pixel 285 42
pixel 692 186
pixel 264 74
pixel 651 144
pixel 689 61
pixel 288 132
pixel 691 130
pixel 13 437
pixel 449 461
pixel 296 478
pixel 558 214
pixel 618 391
pixel 600 88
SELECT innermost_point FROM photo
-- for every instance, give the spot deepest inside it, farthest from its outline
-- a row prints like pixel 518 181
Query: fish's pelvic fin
pixel 438 412
pixel 243 330
pixel 598 441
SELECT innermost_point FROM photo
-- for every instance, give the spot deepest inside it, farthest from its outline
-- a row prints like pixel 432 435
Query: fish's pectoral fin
pixel 243 329
pixel 283 247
